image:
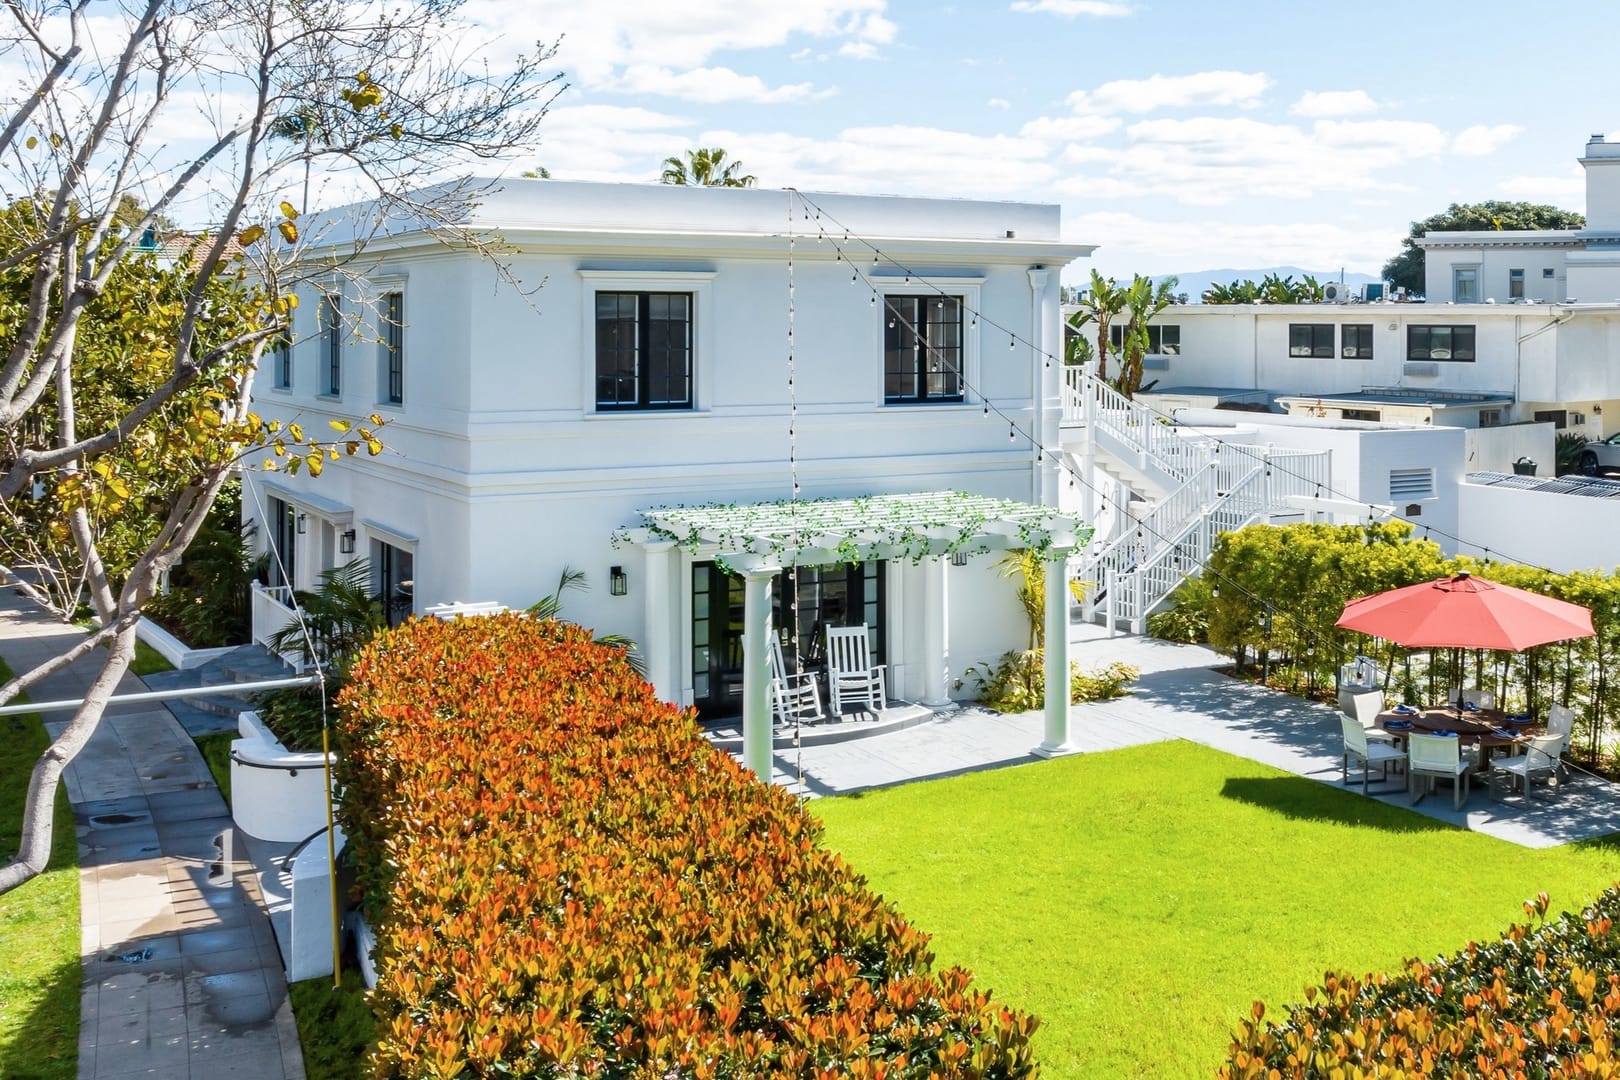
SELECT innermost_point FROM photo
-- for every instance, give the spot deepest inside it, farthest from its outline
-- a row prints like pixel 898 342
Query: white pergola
pixel 758 541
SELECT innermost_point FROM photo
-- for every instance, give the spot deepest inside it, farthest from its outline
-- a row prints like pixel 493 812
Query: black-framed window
pixel 392 320
pixel 1356 341
pixel 1558 418
pixel 922 348
pixel 1515 284
pixel 1490 418
pixel 332 339
pixel 643 350
pixel 1454 343
pixel 283 541
pixel 281 360
pixel 1310 339
pixel 1361 414
pixel 393 576
pixel 1163 340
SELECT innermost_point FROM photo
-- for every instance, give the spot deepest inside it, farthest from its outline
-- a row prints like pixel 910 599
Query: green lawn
pixel 39 926
pixel 148 661
pixel 216 752
pixel 1139 901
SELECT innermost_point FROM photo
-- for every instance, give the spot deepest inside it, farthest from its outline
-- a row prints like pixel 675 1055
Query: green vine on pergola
pixel 911 526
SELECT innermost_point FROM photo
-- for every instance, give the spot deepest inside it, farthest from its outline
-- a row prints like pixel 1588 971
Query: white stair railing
pixel 1224 487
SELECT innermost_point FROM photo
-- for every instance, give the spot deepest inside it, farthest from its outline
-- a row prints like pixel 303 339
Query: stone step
pixel 250 663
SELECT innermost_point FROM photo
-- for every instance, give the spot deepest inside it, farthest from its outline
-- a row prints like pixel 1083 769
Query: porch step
pixel 213 713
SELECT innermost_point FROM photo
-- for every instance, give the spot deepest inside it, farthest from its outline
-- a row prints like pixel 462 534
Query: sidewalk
pixel 182 978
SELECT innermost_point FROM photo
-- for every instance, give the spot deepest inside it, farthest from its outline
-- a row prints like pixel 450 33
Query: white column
pixel 757 672
pixel 662 643
pixel 1057 742
pixel 1043 381
pixel 934 691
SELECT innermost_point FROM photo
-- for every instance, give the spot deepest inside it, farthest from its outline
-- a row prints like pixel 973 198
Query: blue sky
pixel 1179 135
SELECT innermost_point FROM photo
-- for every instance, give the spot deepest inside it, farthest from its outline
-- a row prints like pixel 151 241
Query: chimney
pixel 1602 165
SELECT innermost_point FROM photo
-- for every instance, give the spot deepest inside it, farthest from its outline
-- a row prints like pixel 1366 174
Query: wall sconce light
pixel 346 542
pixel 618 581
pixel 959 558
pixel 303 524
pixel 1597 410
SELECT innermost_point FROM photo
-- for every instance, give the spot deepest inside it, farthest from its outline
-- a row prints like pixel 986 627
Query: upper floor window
pixel 1440 343
pixel 1465 284
pixel 922 348
pixel 281 360
pixel 332 340
pixel 1162 340
pixel 1356 341
pixel 1515 284
pixel 643 350
pixel 391 318
pixel 1310 339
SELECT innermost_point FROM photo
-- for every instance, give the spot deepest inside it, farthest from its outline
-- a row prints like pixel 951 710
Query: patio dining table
pixel 1477 729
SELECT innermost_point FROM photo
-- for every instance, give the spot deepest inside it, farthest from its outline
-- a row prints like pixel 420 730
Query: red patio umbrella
pixel 1466 612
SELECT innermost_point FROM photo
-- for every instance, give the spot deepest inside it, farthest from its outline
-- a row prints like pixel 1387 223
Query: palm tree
pixel 550 607
pixel 1099 305
pixel 705 168
pixel 1144 300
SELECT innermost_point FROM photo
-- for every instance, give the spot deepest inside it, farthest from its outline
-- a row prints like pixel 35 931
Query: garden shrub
pixel 568 880
pixel 1187 620
pixel 207 602
pixel 1017 681
pixel 1542 1002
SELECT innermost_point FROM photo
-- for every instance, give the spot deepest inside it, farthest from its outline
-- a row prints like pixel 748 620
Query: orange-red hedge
pixel 570 881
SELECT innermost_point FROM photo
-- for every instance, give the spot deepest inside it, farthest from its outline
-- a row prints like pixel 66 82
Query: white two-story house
pixel 633 354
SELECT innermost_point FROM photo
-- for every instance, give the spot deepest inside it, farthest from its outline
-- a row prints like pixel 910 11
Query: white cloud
pixel 1568 190
pixel 600 39
pixel 1132 244
pixel 1482 139
pixel 1215 160
pixel 893 159
pixel 1172 92
pixel 1071 8
pixel 1334 103
pixel 1069 128
pixel 608 142
pixel 710 85
pixel 999 103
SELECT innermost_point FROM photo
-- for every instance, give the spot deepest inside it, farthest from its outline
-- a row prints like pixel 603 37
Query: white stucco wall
pixel 499 471
pixel 1561 532
pixel 1495 449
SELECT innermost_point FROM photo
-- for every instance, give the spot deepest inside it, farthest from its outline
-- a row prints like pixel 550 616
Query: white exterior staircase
pixel 1195 487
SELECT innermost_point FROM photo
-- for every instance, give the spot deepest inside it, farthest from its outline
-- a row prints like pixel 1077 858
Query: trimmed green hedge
pixel 568 880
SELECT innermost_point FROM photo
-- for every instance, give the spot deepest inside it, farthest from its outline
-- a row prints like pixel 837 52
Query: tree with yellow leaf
pixel 124 371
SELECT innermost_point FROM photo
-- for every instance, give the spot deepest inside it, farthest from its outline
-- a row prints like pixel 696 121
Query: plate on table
pixel 1469 706
pixel 1397 725
pixel 1444 734
pixel 1519 720
pixel 1405 710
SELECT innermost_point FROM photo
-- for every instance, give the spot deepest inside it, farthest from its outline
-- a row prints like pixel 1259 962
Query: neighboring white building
pixel 1537 266
pixel 644 363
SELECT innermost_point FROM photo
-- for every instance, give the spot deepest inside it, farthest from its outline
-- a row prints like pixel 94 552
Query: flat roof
pixel 1401 395
pixel 1590 487
pixel 1222 392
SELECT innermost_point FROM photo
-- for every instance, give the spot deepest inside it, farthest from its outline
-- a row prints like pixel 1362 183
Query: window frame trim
pixel 700 283
pixel 1473 328
pixel 1372 340
pixel 967 288
pixel 1333 341
pixel 328 335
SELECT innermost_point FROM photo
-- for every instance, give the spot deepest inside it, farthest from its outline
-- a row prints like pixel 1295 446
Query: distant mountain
pixel 1194 282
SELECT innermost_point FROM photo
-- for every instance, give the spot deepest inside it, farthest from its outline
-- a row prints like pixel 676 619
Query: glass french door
pixel 827 596
pixel 283 541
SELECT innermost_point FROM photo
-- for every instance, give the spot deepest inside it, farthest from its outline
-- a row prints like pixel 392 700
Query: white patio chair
pixel 1542 757
pixel 851 675
pixel 1561 722
pixel 1435 756
pixel 1368 752
pixel 1364 708
pixel 794 698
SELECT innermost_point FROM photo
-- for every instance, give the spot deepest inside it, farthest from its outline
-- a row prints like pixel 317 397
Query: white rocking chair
pixel 794 698
pixel 851 675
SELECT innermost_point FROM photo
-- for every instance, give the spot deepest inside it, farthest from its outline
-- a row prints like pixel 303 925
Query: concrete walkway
pixel 1181 696
pixel 182 978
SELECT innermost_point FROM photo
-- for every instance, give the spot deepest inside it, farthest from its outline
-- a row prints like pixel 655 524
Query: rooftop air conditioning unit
pixel 1334 292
